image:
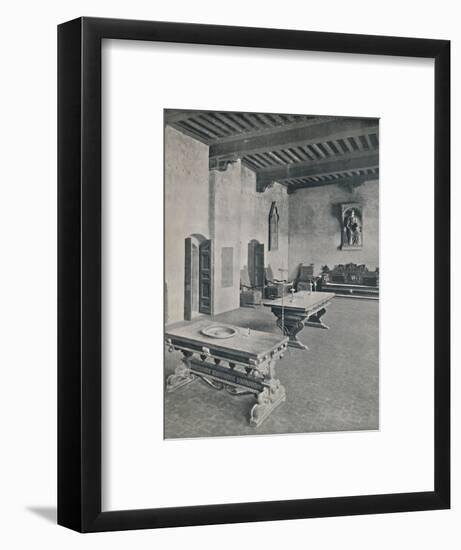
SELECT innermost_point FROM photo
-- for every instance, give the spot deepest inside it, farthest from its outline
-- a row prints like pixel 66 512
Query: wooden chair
pixel 250 296
pixel 275 288
pixel 306 279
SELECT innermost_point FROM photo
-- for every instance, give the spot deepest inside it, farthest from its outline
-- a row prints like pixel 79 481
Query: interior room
pixel 265 212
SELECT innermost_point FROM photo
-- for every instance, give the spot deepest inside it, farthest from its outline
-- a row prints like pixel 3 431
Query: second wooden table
pixel 300 309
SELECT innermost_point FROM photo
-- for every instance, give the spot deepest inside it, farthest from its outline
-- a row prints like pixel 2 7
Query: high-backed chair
pixel 250 296
pixel 306 279
pixel 275 288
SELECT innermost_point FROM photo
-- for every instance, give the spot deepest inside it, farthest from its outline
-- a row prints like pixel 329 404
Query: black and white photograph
pixel 271 273
pixel 229 279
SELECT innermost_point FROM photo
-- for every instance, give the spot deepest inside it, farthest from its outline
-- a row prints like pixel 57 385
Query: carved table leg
pixel 182 374
pixel 291 327
pixel 314 320
pixel 267 400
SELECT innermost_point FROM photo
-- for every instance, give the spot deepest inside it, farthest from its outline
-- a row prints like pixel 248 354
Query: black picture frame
pixel 79 274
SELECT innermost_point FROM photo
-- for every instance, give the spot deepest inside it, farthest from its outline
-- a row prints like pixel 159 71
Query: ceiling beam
pixel 177 115
pixel 239 120
pixel 359 160
pixel 311 132
pixel 350 182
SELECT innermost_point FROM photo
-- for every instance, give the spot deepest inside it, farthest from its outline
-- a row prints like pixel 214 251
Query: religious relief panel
pixel 351 227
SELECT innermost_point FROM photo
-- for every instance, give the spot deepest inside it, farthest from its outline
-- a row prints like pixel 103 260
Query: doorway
pixel 198 276
pixel 256 263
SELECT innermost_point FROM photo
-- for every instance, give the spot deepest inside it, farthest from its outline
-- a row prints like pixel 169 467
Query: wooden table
pixel 300 309
pixel 242 364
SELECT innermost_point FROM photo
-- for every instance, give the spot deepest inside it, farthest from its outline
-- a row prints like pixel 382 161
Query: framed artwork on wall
pixel 276 204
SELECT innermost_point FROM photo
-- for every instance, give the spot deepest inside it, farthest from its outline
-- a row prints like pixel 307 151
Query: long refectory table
pixel 242 363
pixel 300 309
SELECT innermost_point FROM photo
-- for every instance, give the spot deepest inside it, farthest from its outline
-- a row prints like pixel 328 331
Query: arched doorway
pixel 198 276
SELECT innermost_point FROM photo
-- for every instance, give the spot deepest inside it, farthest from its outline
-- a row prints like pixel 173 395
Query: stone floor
pixel 331 387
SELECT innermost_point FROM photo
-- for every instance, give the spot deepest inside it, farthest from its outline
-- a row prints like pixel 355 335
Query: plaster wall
pixel 186 210
pixel 239 214
pixel 315 231
pixel 255 209
pixel 225 216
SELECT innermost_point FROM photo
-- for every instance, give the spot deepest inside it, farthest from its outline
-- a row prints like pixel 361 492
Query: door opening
pixel 198 276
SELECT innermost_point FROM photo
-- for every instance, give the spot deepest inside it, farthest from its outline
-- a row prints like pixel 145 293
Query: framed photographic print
pixel 254 274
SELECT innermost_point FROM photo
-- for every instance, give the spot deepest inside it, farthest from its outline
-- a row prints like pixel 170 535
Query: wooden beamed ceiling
pixel 294 150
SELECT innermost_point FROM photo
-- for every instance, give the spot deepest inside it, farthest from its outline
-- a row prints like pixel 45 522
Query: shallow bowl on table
pixel 219 331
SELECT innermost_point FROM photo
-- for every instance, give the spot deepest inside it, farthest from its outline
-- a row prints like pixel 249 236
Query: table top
pixel 302 301
pixel 252 344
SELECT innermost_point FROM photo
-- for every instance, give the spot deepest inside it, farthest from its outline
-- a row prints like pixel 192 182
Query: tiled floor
pixel 331 387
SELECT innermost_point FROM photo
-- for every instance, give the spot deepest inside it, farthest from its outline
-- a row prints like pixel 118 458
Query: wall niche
pixel 351 226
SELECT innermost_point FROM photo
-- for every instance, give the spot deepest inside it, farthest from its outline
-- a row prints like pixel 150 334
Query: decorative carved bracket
pixel 262 185
pixel 221 163
pixel 351 183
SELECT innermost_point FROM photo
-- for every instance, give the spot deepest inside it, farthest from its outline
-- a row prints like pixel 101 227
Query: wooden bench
pixel 351 280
